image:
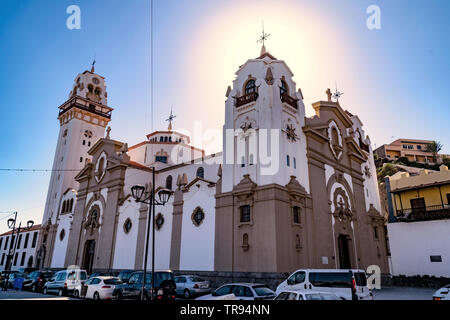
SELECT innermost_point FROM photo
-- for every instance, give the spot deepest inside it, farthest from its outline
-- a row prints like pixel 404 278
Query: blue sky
pixel 396 79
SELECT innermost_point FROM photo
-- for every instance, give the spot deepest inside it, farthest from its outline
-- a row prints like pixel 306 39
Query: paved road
pixel 403 293
pixel 387 293
pixel 26 295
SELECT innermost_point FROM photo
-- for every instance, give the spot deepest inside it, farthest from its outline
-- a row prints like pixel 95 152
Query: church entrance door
pixel 344 252
pixel 88 257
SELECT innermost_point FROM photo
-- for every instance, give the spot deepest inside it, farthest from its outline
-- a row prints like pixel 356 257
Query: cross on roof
pixel 170 119
pixel 264 36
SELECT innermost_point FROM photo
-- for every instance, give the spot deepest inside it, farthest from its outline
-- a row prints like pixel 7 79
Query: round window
pixel 127 225
pixel 198 216
pixel 62 234
pixel 159 221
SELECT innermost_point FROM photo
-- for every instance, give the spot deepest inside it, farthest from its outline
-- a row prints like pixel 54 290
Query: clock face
pixel 95 81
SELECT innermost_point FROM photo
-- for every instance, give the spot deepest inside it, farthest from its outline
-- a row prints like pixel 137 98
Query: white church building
pixel 287 192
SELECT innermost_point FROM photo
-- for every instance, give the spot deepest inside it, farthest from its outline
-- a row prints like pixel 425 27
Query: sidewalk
pixel 26 295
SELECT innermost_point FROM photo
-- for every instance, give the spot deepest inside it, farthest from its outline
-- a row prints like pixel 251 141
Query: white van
pixel 347 284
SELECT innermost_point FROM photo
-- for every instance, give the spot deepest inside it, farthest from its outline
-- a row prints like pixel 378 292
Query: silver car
pixel 190 285
pixel 242 291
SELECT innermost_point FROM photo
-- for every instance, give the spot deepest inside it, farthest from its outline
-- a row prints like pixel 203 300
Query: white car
pixel 99 288
pixel 241 291
pixel 306 295
pixel 345 283
pixel 442 293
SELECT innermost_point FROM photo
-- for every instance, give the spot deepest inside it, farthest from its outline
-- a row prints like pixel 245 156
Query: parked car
pixel 347 284
pixel 101 274
pixel 189 285
pixel 242 291
pixel 26 270
pixel 13 276
pixel 124 275
pixel 36 280
pixel 442 293
pixel 165 288
pixel 306 295
pixel 66 282
pixel 99 288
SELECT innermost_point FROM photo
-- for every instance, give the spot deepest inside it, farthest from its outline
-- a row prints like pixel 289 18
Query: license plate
pixel 160 292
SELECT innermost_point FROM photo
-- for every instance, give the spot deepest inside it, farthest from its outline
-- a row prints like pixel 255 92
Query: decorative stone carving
pixel 335 140
pixel 92 220
pixel 342 210
pixel 269 77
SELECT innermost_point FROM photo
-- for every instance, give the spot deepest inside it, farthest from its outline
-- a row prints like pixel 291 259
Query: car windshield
pixel 262 291
pixel 159 277
pixel 360 279
pixel 196 279
pixel 321 296
pixel 110 281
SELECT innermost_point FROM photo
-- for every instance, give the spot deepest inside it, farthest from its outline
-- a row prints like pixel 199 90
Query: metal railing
pixel 436 212
pixel 289 100
pixel 246 98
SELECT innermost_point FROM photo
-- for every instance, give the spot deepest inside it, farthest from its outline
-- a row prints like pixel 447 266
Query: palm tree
pixel 434 147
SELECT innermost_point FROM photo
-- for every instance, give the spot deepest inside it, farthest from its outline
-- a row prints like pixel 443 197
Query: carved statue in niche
pixel 92 220
pixel 342 210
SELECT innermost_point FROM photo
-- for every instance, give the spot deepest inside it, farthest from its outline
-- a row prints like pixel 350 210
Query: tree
pixel 434 147
pixel 387 170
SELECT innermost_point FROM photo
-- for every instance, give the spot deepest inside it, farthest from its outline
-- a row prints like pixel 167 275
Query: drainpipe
pixel 391 217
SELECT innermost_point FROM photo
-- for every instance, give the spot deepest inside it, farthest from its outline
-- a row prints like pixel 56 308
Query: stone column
pixel 177 220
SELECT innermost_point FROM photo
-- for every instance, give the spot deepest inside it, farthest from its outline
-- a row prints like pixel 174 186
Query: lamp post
pixel 140 194
pixel 13 245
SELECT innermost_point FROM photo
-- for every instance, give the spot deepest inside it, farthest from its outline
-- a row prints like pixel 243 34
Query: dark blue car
pixel 165 287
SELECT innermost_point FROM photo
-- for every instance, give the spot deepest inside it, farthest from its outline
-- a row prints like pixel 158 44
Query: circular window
pixel 95 81
pixel 159 221
pixel 62 234
pixel 198 216
pixel 127 225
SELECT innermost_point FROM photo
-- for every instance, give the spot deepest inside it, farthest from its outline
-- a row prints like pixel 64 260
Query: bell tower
pixel 82 119
pixel 264 118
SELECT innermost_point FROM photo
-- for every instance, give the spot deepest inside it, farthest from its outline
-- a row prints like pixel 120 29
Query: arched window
pixel 90 88
pixel 161 139
pixel 71 205
pixel 288 161
pixel 250 87
pixel 334 137
pixel 200 173
pixel 295 163
pixel 283 88
pixel 169 182
pixel 98 91
pixel 251 160
pixel 63 208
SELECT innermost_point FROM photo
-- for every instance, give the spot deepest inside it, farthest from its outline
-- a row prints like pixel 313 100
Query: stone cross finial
pixel 108 132
pixel 329 94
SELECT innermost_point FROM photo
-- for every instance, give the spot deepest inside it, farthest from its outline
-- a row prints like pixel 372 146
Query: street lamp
pixel 13 244
pixel 140 194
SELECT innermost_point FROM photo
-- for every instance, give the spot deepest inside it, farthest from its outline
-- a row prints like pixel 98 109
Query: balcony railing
pixel 289 100
pixel 246 98
pixel 437 212
pixel 365 147
pixel 87 105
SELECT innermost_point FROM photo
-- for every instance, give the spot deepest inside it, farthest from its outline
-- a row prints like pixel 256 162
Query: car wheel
pixel 60 293
pixel 76 294
pixel 96 296
pixel 187 294
pixel 33 288
pixel 117 296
